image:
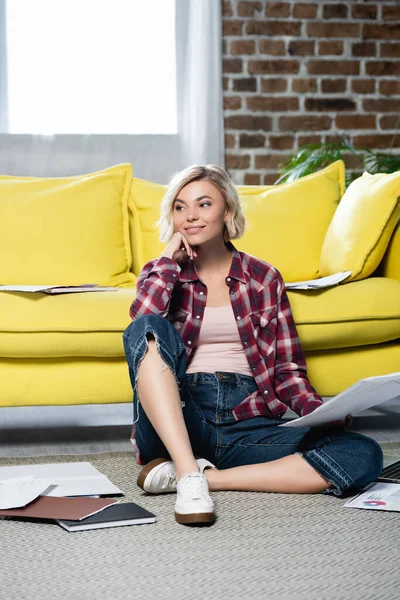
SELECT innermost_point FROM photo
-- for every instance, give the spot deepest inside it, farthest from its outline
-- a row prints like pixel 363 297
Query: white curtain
pixel 154 157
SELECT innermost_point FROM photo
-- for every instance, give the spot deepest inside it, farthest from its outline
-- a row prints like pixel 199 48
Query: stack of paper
pixel 57 289
pixel 317 284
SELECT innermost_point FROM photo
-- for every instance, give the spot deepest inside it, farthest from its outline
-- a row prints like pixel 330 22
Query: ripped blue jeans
pixel 348 460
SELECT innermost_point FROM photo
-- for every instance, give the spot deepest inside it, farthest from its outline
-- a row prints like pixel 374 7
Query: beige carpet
pixel 268 546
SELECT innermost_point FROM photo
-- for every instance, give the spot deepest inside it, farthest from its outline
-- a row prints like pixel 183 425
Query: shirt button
pixel 245 343
pixel 201 293
pixel 197 316
pixel 173 274
pixel 254 369
pixel 228 279
pixel 189 342
pixel 265 392
pixel 169 288
pixel 238 318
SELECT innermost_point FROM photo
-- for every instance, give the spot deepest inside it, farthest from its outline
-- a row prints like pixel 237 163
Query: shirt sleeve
pixel 291 382
pixel 154 287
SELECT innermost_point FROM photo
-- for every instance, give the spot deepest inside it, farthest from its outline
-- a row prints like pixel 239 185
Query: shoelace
pixel 169 482
pixel 196 486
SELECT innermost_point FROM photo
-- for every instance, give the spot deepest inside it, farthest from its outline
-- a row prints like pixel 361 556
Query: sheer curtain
pixel 154 157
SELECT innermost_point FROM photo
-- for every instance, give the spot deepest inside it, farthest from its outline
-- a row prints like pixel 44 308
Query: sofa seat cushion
pixel 354 314
pixel 87 324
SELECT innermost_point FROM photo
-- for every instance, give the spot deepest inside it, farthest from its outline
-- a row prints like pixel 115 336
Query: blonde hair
pixel 235 223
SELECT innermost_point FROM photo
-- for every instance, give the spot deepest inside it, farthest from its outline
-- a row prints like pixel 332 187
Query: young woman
pixel 215 360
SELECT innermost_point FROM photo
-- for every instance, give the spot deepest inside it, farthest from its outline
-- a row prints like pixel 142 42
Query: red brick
pixel 390 49
pixel 243 47
pixel 274 47
pixel 278 10
pixel 304 11
pixel 356 121
pixel 375 141
pixel 251 141
pixel 363 12
pixel 373 31
pixel 269 161
pixel 333 139
pixel 232 27
pixel 232 102
pixel 364 49
pixel 225 83
pixel 270 178
pixel 339 30
pixel 229 140
pixel 329 104
pixel 301 48
pixel 237 161
pixel 273 85
pixel 390 88
pixel 245 84
pixel 334 67
pixel 383 67
pixel 252 179
pixel 305 123
pixel 249 122
pixel 381 105
pixel 334 11
pixel 280 104
pixel 332 86
pixel 227 8
pixel 273 28
pixel 232 65
pixel 249 9
pixel 281 142
pixel 303 86
pixel 389 122
pixel 272 67
pixel 391 13
pixel 363 86
pixel 330 48
pixel 304 140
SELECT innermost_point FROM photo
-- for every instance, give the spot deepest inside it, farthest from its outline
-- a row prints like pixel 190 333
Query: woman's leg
pixel 156 358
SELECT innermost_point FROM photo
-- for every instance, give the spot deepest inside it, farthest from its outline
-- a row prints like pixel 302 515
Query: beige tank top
pixel 219 347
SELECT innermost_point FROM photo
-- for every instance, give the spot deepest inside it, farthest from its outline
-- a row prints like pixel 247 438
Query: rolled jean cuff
pixel 329 470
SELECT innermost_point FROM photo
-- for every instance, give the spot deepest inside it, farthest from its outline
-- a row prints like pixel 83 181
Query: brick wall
pixel 304 71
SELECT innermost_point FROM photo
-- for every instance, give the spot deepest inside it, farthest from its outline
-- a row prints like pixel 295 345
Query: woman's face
pixel 199 211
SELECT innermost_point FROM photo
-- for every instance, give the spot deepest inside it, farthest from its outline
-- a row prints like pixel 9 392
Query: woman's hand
pixel 179 248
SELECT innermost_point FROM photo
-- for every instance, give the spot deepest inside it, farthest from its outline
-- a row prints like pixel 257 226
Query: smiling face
pixel 199 211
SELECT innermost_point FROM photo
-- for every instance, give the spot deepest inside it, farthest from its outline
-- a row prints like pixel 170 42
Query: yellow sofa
pixel 100 228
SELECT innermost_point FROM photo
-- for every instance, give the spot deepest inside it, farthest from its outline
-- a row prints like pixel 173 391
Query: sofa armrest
pixel 391 260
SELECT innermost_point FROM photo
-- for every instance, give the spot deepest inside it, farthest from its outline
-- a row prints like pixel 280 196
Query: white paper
pixel 367 392
pixel 316 284
pixel 57 289
pixel 20 491
pixel 378 496
pixel 65 479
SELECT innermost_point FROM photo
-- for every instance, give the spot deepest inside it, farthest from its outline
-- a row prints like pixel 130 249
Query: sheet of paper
pixel 378 496
pixel 316 284
pixel 66 479
pixel 25 288
pixel 20 491
pixel 367 392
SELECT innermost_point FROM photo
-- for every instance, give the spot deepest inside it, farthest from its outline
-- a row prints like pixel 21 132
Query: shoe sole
pixel 146 470
pixel 195 518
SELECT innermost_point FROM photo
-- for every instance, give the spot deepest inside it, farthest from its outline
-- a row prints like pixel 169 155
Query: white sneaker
pixel 158 476
pixel 193 503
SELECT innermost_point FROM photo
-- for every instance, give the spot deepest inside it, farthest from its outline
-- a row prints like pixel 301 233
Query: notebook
pixel 118 515
pixel 49 507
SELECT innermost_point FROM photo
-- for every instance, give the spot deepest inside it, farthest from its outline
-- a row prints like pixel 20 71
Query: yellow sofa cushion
pixel 279 219
pixel 361 228
pixel 144 204
pixel 286 224
pixel 66 230
pixel 355 314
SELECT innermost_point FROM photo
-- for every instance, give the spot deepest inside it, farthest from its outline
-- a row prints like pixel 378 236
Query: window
pixel 91 66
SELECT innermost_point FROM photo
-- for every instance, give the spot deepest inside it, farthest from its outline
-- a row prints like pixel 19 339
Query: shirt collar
pixel 189 273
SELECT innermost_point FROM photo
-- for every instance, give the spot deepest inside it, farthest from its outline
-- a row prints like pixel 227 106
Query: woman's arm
pixel 291 381
pixel 154 287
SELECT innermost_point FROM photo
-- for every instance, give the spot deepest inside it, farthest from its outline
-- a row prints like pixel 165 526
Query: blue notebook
pixel 117 515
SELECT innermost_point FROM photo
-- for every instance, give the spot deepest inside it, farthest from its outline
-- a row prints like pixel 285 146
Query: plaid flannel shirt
pixel 263 317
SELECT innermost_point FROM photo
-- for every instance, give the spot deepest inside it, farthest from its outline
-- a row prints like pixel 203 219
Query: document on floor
pixel 57 289
pixel 318 284
pixel 20 491
pixel 367 392
pixel 377 496
pixel 65 479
